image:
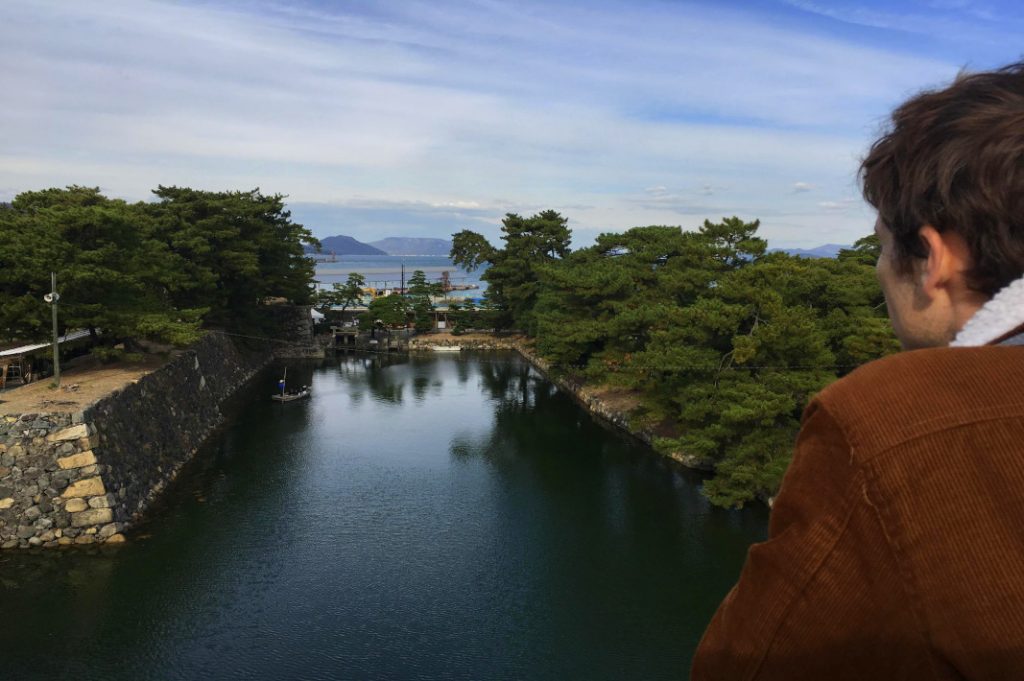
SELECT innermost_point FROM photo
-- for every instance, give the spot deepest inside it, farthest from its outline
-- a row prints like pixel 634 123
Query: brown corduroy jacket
pixel 896 543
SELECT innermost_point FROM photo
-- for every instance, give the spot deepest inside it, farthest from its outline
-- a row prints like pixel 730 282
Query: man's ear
pixel 948 258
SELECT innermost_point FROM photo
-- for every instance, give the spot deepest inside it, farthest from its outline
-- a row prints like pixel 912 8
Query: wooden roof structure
pixel 12 360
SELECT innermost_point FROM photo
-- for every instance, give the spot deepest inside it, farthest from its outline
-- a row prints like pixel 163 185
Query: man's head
pixel 947 180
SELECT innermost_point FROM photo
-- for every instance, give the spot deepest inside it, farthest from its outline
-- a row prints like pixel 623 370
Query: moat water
pixel 450 517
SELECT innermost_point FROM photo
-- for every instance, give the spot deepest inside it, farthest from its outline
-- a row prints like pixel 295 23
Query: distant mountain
pixel 826 251
pixel 345 245
pixel 398 245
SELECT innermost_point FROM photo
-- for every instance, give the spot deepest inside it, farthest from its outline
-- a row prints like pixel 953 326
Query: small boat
pixel 290 395
pixel 446 348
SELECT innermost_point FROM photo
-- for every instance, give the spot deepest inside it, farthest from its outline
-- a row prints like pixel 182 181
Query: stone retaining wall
pixel 294 323
pixel 49 482
pixel 82 478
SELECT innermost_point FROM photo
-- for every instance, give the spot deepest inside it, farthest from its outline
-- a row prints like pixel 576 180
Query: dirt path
pixel 81 385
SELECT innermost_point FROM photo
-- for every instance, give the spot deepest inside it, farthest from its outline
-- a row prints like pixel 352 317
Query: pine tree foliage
pixel 237 249
pixel 343 295
pixel 421 294
pixel 387 312
pixel 513 273
pixel 154 271
pixel 724 342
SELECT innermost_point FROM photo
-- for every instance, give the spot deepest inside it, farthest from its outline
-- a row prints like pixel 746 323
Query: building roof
pixel 25 349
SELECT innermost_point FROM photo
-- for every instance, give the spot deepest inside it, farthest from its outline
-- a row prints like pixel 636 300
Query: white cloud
pixel 488 107
pixel 949 20
pixel 840 205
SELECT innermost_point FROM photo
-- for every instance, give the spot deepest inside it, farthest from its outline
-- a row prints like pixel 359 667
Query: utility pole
pixel 403 297
pixel 52 297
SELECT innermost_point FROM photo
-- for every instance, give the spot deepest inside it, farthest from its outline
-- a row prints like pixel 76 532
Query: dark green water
pixel 443 518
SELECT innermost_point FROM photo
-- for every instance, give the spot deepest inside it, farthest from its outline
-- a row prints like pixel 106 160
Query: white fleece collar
pixel 996 318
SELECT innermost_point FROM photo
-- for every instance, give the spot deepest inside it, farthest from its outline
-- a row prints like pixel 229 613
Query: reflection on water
pixel 445 517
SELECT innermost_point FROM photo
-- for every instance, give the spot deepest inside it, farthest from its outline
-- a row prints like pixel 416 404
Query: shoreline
pixel 87 474
pixel 611 405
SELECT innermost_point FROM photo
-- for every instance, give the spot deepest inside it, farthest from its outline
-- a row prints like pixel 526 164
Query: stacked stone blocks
pixel 84 478
pixel 51 484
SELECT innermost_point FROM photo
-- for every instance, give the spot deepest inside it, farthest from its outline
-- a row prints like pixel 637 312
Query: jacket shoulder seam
pixel 969 418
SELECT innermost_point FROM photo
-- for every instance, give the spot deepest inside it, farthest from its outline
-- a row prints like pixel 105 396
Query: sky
pixel 422 118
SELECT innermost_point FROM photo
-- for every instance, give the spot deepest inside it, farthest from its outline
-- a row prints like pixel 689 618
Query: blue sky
pixel 410 118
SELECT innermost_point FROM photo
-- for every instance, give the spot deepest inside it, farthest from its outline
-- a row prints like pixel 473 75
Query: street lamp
pixel 52 297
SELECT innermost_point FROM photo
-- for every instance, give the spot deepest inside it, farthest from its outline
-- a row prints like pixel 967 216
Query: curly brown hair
pixel 954 159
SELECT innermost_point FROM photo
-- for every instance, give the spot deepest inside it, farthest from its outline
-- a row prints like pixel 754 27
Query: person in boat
pixel 896 542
